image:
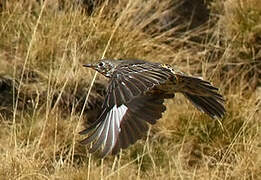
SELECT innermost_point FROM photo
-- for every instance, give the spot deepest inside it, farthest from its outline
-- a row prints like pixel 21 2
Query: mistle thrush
pixel 135 97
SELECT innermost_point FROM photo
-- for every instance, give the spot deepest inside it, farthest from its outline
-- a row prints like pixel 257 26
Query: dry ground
pixel 43 88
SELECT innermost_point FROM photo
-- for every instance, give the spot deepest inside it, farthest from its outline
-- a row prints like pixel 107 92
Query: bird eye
pixel 101 64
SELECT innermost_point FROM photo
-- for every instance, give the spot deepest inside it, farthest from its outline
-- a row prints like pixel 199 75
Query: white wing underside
pixel 109 130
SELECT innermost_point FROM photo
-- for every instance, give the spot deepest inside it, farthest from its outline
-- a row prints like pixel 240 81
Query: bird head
pixel 104 66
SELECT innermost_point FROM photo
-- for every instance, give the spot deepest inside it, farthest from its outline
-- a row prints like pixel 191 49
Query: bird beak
pixel 89 65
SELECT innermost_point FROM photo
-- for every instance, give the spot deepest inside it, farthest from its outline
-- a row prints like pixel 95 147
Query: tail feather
pixel 209 105
pixel 204 96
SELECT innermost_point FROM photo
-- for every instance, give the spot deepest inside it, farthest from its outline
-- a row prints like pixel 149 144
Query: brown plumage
pixel 135 97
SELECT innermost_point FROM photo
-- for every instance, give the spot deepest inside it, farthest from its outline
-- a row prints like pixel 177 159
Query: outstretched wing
pixel 126 108
pixel 130 81
pixel 124 125
pixel 141 111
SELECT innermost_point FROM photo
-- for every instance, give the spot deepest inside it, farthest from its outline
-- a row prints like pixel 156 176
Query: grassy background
pixel 43 87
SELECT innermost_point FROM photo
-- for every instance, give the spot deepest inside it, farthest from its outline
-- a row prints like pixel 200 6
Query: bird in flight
pixel 135 96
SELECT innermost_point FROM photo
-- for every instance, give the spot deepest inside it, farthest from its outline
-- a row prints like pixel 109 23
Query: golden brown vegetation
pixel 43 88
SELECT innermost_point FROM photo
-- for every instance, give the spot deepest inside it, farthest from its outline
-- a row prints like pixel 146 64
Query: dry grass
pixel 43 89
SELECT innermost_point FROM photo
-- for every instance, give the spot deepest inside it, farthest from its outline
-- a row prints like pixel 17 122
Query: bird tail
pixel 203 96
